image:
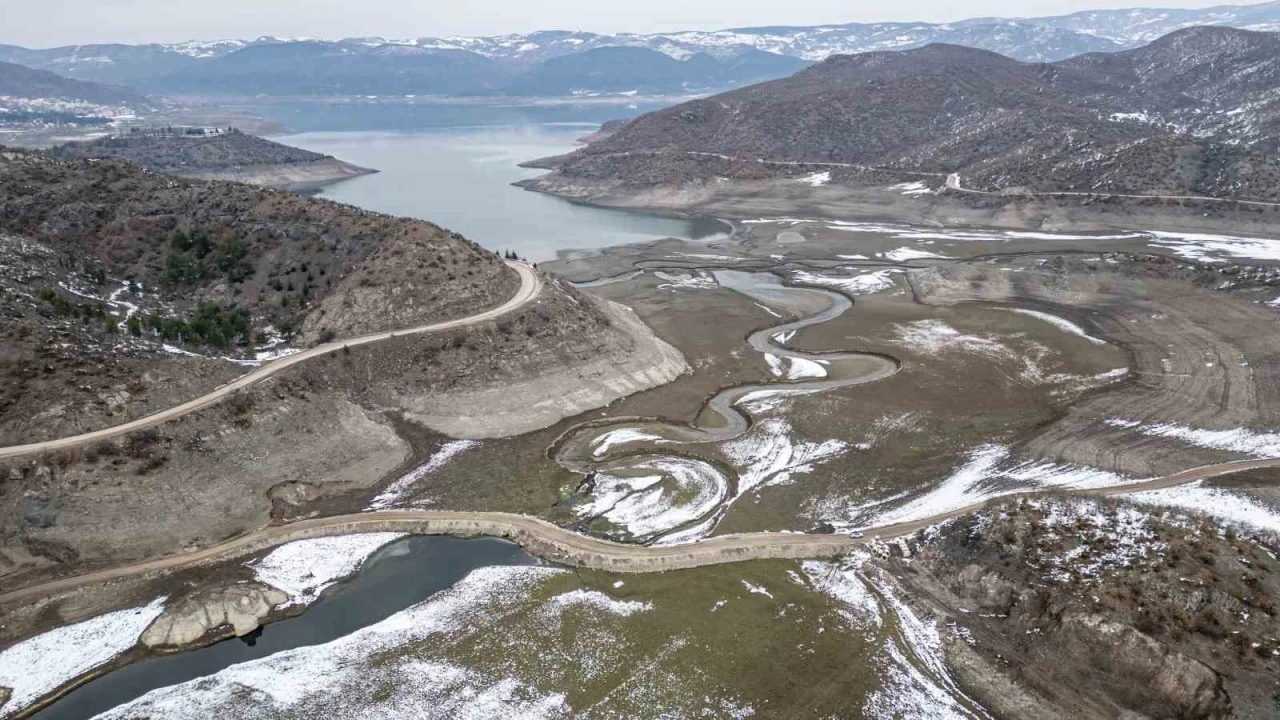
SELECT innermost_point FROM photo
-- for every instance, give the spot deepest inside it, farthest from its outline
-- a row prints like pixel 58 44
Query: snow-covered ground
pixel 1239 440
pixel 817 179
pixel 903 254
pixel 686 281
pixel 619 437
pixel 768 455
pixel 598 601
pixel 304 568
pixel 911 188
pixel 1226 506
pixel 396 491
pixel 1104 538
pixel 864 284
pixel 794 368
pixel 1216 248
pixel 915 680
pixel 668 493
pixel 39 665
pixel 339 678
pixel 988 472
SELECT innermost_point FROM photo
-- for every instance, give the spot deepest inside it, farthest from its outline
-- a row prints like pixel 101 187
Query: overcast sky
pixel 45 23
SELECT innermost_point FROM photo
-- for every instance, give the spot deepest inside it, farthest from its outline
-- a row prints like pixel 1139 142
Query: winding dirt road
pixel 554 543
pixel 530 286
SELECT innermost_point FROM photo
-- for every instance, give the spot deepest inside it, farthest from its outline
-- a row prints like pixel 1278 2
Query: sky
pixel 47 23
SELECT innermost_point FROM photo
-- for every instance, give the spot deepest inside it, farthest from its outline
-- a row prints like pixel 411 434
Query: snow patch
pixel 305 568
pixel 1227 506
pixel 395 491
pixel 817 179
pixel 39 665
pixel 864 284
pixel 1061 323
pixel 621 436
pixel 903 254
pixel 598 601
pixel 1239 440
pixel 340 679
pixel 768 456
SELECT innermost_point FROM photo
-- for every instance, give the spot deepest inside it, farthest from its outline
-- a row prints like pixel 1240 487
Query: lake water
pixel 398 576
pixel 461 178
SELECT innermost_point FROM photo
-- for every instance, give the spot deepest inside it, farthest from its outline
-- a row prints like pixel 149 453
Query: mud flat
pixel 746 199
pixel 530 403
pixel 299 176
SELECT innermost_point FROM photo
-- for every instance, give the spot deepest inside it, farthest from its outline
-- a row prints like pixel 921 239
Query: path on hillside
pixel 554 543
pixel 530 286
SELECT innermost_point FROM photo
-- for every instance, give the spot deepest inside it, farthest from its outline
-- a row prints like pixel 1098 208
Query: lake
pixel 461 178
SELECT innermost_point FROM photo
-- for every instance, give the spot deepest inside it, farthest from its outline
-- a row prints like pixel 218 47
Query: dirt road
pixel 556 544
pixel 530 286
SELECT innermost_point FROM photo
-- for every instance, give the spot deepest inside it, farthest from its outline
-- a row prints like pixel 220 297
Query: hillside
pixel 275 254
pixel 1089 608
pixel 25 82
pixel 222 156
pixel 30 96
pixel 1192 113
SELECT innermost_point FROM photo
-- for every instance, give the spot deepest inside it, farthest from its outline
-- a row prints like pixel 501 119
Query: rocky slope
pixel 1190 114
pixel 1101 609
pixel 230 155
pixel 123 292
pixel 125 289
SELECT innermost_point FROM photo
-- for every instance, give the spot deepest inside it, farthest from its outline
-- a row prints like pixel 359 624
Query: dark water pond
pixel 396 577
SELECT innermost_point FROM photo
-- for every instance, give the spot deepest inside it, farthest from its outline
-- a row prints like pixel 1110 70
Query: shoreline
pixel 733 201
pixel 298 177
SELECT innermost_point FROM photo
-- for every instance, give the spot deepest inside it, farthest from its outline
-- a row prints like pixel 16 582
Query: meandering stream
pixel 637 461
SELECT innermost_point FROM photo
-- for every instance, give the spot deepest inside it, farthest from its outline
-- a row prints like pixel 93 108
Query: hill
pixel 276 255
pixel 1190 114
pixel 25 82
pixel 230 155
pixel 38 96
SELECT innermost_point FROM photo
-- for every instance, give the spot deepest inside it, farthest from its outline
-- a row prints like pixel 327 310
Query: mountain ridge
pixel 1044 39
pixel 1193 113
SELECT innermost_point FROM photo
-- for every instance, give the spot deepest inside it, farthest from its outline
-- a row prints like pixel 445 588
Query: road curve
pixel 530 286
pixel 554 543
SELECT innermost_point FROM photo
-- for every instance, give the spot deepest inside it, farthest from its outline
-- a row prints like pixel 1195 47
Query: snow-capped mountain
pixel 1039 39
pixel 495 64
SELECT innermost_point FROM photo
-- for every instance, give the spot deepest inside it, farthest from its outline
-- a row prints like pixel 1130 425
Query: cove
pixel 398 576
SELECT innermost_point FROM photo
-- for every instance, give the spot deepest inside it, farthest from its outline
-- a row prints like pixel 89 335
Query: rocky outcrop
pixel 1142 673
pixel 241 607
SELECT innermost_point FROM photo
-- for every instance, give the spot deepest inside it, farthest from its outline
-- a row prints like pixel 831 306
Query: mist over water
pixel 461 178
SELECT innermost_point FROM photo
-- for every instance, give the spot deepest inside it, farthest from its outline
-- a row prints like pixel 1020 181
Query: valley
pixel 920 383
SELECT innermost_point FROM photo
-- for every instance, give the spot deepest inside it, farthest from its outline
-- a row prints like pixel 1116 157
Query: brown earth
pixel 1182 624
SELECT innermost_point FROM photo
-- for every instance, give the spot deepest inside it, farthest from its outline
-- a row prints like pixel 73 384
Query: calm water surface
pixel 461 178
pixel 396 577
